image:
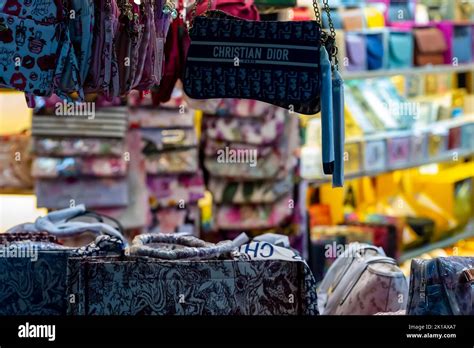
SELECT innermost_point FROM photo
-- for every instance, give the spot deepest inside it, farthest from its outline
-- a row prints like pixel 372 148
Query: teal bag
pixel 401 48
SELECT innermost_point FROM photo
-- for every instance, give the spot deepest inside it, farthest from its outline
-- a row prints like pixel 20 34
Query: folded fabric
pixel 48 167
pixel 212 148
pixel 262 130
pixel 224 191
pixel 253 216
pixel 47 146
pixel 93 192
pixel 173 162
pixel 174 190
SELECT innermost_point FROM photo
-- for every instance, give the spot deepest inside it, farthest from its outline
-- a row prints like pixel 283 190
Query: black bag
pixel 270 61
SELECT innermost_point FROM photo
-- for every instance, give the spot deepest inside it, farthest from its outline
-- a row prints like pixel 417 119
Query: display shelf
pixel 21 192
pixel 446 157
pixel 461 233
pixel 424 70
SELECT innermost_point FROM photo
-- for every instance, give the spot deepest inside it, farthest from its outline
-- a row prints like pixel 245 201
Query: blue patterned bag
pixel 35 47
pixel 442 286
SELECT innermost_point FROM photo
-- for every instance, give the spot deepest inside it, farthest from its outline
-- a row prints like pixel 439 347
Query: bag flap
pixel 375 45
pixel 430 40
pixel 356 49
pixel 401 47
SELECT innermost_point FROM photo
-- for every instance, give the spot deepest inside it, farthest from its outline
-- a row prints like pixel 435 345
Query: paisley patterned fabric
pixel 224 191
pixel 38 287
pixel 143 286
pixel 437 287
pixel 266 129
pixel 49 167
pixel 70 146
pixel 254 216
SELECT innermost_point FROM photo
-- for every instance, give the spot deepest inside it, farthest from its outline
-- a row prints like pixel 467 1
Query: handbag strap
pixel 190 247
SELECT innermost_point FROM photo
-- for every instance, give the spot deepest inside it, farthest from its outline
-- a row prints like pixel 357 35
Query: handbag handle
pixel 192 247
pixel 58 224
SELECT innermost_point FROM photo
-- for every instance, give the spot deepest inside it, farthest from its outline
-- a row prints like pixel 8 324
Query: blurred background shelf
pixel 459 154
pixel 460 233
pixel 426 70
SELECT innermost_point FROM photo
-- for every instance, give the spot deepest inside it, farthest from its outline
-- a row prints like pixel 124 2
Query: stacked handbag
pixel 249 155
pixel 75 47
pixel 174 180
pixel 175 274
pixel 80 159
pixel 33 262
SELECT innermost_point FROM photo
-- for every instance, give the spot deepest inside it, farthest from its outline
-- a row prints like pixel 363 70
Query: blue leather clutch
pixel 375 51
pixel 400 50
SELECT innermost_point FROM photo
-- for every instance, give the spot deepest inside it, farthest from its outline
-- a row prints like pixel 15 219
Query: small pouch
pixel 258 131
pixel 400 11
pixel 430 46
pixel 157 140
pixel 94 192
pixel 253 216
pixel 48 167
pixel 374 17
pixel 375 51
pixel 70 146
pixel 173 162
pixel 356 49
pixel 233 192
pixel 400 50
pixel 175 190
pixel 352 19
pixel 461 42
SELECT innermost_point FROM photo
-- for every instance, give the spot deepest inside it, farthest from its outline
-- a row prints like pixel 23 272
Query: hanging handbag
pixel 442 286
pixel 33 264
pixel 274 62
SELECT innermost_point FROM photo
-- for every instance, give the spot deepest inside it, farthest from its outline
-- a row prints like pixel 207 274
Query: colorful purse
pixel 356 49
pixel 442 286
pixel 430 46
pixel 400 49
pixel 257 131
pixel 274 62
pixel 375 51
pixel 233 192
pixel 462 40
